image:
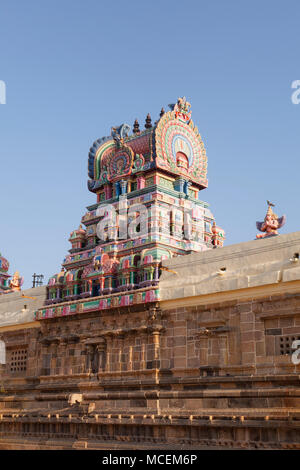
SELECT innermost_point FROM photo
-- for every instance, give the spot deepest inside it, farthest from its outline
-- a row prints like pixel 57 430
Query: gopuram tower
pixel 149 208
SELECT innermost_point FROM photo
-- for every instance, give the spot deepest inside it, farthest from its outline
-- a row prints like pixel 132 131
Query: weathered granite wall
pixel 208 366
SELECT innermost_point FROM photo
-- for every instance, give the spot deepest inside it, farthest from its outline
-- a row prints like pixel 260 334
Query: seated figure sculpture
pixel 16 282
pixel 271 223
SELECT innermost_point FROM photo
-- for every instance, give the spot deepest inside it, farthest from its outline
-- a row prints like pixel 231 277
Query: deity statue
pixel 218 236
pixel 271 223
pixel 119 133
pixel 183 105
pixel 16 282
pixel 183 109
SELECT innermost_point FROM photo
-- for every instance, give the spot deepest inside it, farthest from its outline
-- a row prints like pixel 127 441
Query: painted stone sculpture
pixel 6 285
pixel 4 276
pixel 271 223
pixel 16 282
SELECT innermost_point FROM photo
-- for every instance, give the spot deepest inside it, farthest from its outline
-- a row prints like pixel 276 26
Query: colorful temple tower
pixel 148 186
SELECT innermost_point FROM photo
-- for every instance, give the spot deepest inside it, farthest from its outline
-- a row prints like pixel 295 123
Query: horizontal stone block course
pixel 245 308
pixel 248 346
pixel 274 331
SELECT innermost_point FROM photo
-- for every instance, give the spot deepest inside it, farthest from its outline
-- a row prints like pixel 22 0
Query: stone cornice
pixel 238 294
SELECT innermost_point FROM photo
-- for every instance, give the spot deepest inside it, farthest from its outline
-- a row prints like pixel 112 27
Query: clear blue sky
pixel 75 68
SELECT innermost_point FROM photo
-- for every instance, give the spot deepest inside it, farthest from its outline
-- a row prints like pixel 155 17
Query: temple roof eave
pixel 93 304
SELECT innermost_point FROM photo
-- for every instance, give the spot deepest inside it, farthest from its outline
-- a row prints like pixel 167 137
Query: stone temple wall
pixel 209 365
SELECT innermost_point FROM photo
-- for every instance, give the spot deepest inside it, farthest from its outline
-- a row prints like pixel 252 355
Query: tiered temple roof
pixel 148 209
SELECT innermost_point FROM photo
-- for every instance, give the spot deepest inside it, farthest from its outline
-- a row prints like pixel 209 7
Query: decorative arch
pixel 108 161
pixel 78 274
pixel 95 154
pixel 69 276
pixel 126 262
pixel 52 280
pixel 155 255
pixel 180 149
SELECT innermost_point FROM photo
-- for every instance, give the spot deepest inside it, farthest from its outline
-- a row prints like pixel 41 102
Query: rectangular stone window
pixel 18 360
pixel 284 344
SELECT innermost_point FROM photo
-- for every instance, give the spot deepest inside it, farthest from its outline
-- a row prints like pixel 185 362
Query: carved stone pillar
pixel 123 186
pixel 156 343
pixel 120 340
pixel 130 358
pixel 143 351
pixel 223 350
pixel 109 341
